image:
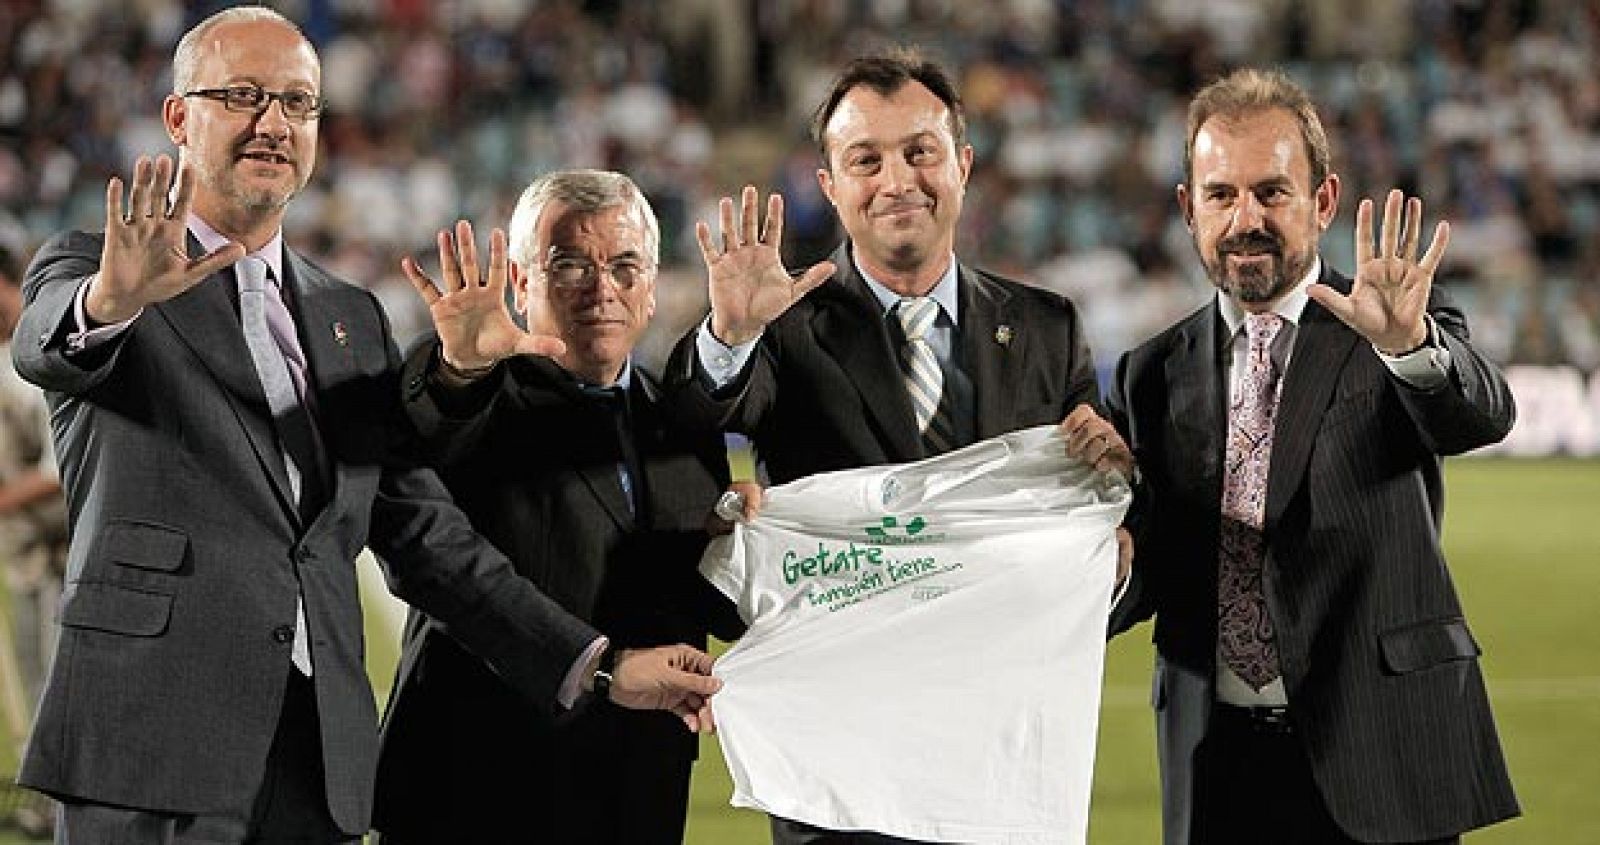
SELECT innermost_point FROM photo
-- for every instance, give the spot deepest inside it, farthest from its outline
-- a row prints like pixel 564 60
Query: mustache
pixel 1257 241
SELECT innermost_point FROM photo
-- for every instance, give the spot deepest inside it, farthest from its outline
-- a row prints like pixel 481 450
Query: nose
pixel 273 121
pixel 898 174
pixel 1248 214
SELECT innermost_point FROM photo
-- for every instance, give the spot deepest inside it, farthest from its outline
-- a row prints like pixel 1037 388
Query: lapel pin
pixel 341 335
pixel 1003 335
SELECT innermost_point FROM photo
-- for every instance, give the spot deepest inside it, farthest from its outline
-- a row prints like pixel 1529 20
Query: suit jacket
pixel 534 461
pixel 824 390
pixel 1380 667
pixel 187 551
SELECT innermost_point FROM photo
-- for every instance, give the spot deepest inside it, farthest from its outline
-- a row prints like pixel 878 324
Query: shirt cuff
pixel 720 362
pixel 84 338
pixel 572 684
pixel 1424 368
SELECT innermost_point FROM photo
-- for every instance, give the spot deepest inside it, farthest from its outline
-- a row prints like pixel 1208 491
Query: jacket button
pixel 283 633
pixel 302 554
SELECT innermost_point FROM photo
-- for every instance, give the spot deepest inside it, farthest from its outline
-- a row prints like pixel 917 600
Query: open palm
pixel 1389 296
pixel 475 329
pixel 749 286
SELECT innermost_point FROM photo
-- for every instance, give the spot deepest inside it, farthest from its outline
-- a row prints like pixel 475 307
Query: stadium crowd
pixel 1490 110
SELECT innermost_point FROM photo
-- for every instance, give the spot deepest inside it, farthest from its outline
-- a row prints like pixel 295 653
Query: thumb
pixel 1340 305
pixel 538 344
pixel 223 256
pixel 813 277
pixel 690 682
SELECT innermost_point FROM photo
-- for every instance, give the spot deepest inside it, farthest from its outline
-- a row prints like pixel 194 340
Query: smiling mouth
pixel 265 157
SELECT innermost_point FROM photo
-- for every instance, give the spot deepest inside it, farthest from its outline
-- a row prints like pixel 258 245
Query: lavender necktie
pixel 1244 625
pixel 281 365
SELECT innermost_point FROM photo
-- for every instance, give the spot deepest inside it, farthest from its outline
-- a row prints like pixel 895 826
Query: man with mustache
pixel 230 438
pixel 1315 681
pixel 893 350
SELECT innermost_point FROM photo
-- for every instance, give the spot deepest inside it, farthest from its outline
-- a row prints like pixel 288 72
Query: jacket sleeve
pixel 49 290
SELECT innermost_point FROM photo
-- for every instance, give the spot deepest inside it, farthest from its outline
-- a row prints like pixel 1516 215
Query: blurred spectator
pixel 1490 109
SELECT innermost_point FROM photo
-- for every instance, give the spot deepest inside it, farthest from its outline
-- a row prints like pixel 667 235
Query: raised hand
pixel 145 258
pixel 749 285
pixel 675 678
pixel 1390 293
pixel 475 329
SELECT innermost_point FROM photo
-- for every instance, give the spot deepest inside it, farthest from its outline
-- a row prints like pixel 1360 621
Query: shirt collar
pixel 623 382
pixel 1291 306
pixel 211 240
pixel 944 292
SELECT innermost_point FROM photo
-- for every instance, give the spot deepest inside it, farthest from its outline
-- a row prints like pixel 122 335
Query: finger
pixel 725 209
pixel 468 247
pixel 497 260
pixel 1340 305
pixel 449 267
pixel 184 195
pixel 1363 233
pixel 749 211
pixel 160 184
pixel 1077 418
pixel 708 248
pixel 138 197
pixel 223 256
pixel 1390 233
pixel 811 278
pixel 772 234
pixel 1435 254
pixel 708 720
pixel 419 280
pixel 693 683
pixel 755 498
pixel 539 344
pixel 1413 229
pixel 114 219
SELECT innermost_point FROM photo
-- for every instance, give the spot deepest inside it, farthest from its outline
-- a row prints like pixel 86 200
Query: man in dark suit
pixel 904 352
pixel 569 467
pixel 226 455
pixel 1315 680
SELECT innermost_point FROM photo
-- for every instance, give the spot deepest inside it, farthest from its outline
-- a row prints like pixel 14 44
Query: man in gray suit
pixel 1315 680
pixel 227 432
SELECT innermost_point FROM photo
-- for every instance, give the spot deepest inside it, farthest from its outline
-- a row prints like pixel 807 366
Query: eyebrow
pixel 873 144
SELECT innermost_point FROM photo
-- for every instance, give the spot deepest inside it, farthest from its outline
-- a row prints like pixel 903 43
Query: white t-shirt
pixel 926 644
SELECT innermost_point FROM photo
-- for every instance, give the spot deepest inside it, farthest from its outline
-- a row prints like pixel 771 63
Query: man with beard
pixel 227 432
pixel 1315 680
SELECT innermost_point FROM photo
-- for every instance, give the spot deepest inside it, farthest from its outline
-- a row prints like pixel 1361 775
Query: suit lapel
pixel 1321 347
pixel 987 317
pixel 205 319
pixel 849 326
pixel 596 463
pixel 1198 417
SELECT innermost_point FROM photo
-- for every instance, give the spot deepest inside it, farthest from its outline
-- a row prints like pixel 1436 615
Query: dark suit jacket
pixel 187 551
pixel 824 390
pixel 1381 670
pixel 534 461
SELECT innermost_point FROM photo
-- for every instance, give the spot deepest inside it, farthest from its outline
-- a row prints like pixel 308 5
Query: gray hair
pixel 186 58
pixel 585 191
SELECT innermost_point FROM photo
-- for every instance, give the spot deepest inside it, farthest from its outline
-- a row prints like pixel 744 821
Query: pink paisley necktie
pixel 1244 626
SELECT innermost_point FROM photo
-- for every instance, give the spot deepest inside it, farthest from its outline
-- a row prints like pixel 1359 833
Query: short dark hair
pixel 886 72
pixel 1250 91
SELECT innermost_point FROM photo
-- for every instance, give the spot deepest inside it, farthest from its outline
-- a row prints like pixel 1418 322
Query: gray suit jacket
pixel 187 550
pixel 1380 667
pixel 824 391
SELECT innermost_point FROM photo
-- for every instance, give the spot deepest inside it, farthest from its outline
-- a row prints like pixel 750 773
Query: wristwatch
pixel 605 671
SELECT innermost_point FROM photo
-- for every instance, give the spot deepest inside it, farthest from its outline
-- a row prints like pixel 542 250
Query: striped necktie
pixel 924 379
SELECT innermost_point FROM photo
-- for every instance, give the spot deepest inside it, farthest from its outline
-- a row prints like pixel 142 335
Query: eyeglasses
pixel 579 273
pixel 297 105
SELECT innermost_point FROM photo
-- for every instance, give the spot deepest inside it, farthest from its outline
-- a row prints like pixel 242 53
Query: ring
pixel 730 506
